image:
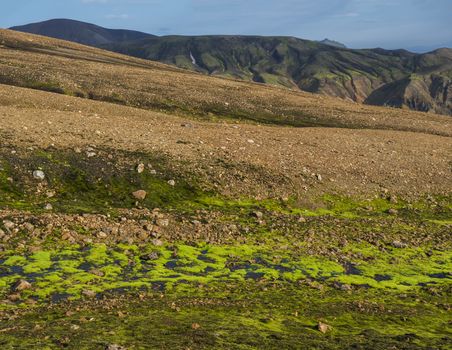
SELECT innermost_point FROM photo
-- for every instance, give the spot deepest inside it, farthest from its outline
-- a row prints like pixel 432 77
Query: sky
pixel 417 25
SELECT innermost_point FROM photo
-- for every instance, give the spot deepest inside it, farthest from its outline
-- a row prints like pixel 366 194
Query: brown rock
pixel 89 293
pixel 324 328
pixel 140 194
pixel 22 285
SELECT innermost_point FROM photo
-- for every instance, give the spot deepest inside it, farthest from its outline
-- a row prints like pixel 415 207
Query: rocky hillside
pixel 395 78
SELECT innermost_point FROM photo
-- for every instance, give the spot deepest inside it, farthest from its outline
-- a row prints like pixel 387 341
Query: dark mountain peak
pixel 81 32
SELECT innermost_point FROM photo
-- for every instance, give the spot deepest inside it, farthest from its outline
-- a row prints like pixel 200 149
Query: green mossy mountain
pixel 396 78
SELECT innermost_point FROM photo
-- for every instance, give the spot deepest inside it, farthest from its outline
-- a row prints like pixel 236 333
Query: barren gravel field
pixel 145 207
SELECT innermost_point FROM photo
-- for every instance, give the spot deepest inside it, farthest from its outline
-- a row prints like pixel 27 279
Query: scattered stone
pixel 301 219
pixel 97 272
pixel 149 227
pixel 250 141
pixel 324 328
pixel 140 168
pixel 50 194
pixel 89 293
pixel 9 225
pixel 319 177
pixel 258 214
pixel 102 235
pixel 186 125
pixel 66 236
pixel 140 194
pixel 39 175
pixel 48 206
pixel 29 227
pixel 22 285
pixel 172 183
pixel 14 297
pixel 195 326
pixel 157 242
pixel 143 235
pixel 153 256
pixel 398 244
pixel 163 222
pixel 114 347
pixel 392 211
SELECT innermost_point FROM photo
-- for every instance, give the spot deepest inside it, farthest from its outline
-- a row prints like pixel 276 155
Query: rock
pixel 2 233
pixel 22 285
pixel 143 235
pixel 319 177
pixel 301 219
pixel 392 211
pixel 14 297
pixel 140 194
pixel 102 235
pixel 140 168
pixel 172 183
pixel 250 141
pixel 89 293
pixel 48 206
pixel 323 327
pixel 157 242
pixel 66 236
pixel 50 194
pixel 195 326
pixel 9 225
pixel 258 214
pixel 39 175
pixel 153 172
pixel 153 256
pixel 114 347
pixel 162 222
pixel 149 227
pixel 29 227
pixel 398 244
pixel 393 199
pixel 97 272
pixel 186 125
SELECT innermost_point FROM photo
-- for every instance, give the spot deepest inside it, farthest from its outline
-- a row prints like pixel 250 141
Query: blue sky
pixel 412 24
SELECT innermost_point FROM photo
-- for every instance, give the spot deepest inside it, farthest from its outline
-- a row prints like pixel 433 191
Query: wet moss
pixel 72 270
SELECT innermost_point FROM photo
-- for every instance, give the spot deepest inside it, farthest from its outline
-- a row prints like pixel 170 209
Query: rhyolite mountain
pixel 397 78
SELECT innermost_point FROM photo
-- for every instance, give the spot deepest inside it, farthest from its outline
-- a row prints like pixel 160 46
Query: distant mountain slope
pixel 80 32
pixel 373 76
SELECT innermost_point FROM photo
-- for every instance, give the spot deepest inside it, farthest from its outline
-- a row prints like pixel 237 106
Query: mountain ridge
pixel 372 76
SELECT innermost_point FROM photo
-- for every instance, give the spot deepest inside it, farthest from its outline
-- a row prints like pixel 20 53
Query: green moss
pixel 245 316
